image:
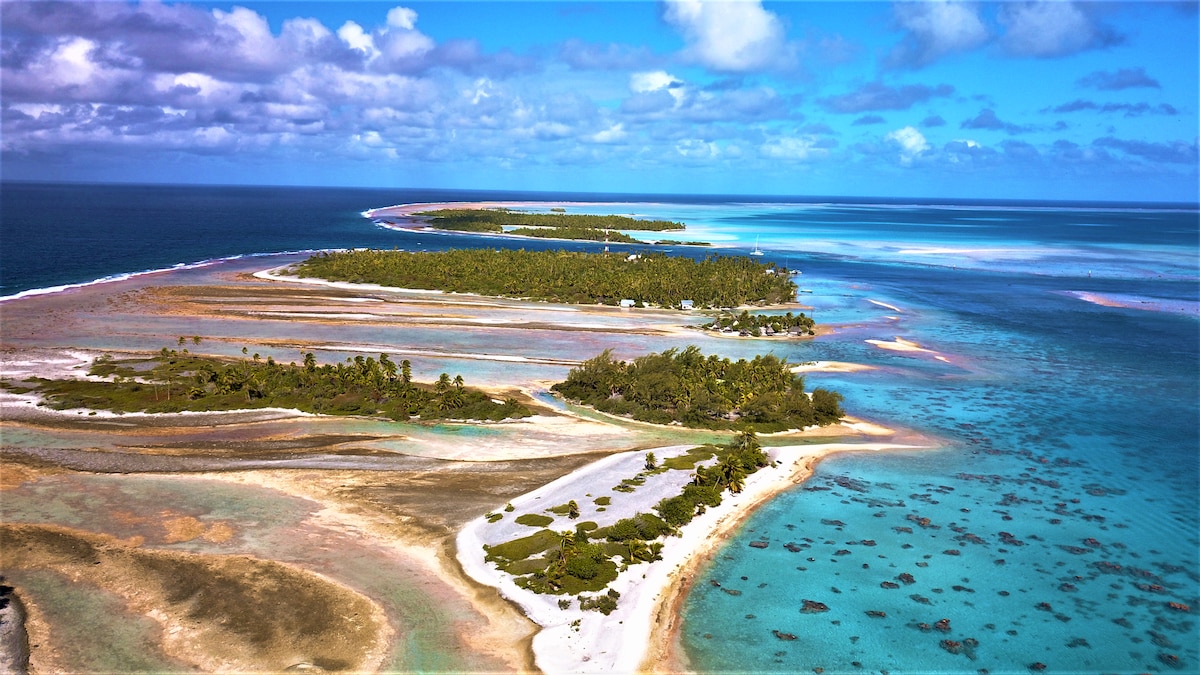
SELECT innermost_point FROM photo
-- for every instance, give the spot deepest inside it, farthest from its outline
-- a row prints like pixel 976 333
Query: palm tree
pixel 443 384
pixel 737 481
pixel 638 550
pixel 730 475
pixel 705 476
pixel 747 440
pixel 566 550
pixel 389 366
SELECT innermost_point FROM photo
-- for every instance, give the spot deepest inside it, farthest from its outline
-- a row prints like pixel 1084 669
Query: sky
pixel 1013 100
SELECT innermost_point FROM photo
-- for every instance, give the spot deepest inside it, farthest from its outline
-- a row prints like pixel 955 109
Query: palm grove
pixel 563 276
pixel 762 394
pixel 172 382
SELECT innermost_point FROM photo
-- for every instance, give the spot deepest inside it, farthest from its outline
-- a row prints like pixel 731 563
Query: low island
pixel 563 276
pixel 557 224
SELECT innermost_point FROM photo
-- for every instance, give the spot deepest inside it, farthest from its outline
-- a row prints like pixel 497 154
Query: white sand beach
pixel 632 638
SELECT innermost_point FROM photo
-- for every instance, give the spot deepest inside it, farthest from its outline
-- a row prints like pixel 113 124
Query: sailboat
pixel 757 250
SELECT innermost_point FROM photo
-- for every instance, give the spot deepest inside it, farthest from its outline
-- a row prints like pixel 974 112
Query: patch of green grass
pixel 603 501
pixel 688 460
pixel 520 549
pixel 561 509
pixel 519 568
pixel 534 520
pixel 494 517
pixel 630 484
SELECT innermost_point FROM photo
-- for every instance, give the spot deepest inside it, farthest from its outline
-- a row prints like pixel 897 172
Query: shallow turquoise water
pixel 1068 477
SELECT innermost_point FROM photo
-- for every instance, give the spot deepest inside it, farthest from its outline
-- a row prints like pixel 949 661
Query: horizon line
pixel 849 200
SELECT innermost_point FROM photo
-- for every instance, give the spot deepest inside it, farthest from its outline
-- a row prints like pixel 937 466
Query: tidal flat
pixel 359 515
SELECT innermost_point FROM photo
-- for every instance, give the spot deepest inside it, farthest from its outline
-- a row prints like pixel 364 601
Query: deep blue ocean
pixel 1058 517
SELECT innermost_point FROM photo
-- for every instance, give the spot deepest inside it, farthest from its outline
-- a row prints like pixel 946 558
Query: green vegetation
pixel 563 276
pixel 583 560
pixel 570 509
pixel 494 220
pixel 174 382
pixel 554 225
pixel 757 325
pixel 605 604
pixel 534 520
pixel 689 460
pixel 577 233
pixel 713 393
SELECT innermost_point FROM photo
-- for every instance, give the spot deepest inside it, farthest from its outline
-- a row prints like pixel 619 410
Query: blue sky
pixel 1013 100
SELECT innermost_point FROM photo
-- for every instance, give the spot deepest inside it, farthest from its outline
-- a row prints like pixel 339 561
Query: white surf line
pixel 884 304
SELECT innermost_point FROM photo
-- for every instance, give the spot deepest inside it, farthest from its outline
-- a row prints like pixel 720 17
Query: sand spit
pixel 634 636
pixel 276 274
pixel 831 367
pixel 1185 307
pixel 885 305
pixel 899 344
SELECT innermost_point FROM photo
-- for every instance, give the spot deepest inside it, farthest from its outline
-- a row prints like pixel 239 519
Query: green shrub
pixel 708 495
pixel 676 511
pixel 623 530
pixel 583 568
pixel 605 604
pixel 651 526
pixel 534 520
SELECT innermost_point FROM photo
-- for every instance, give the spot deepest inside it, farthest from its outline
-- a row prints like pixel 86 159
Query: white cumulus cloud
pixel 794 148
pixel 356 38
pixel 652 81
pixel 613 134
pixel 730 35
pixel 694 148
pixel 936 29
pixel 911 141
pixel 402 17
pixel 1052 29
